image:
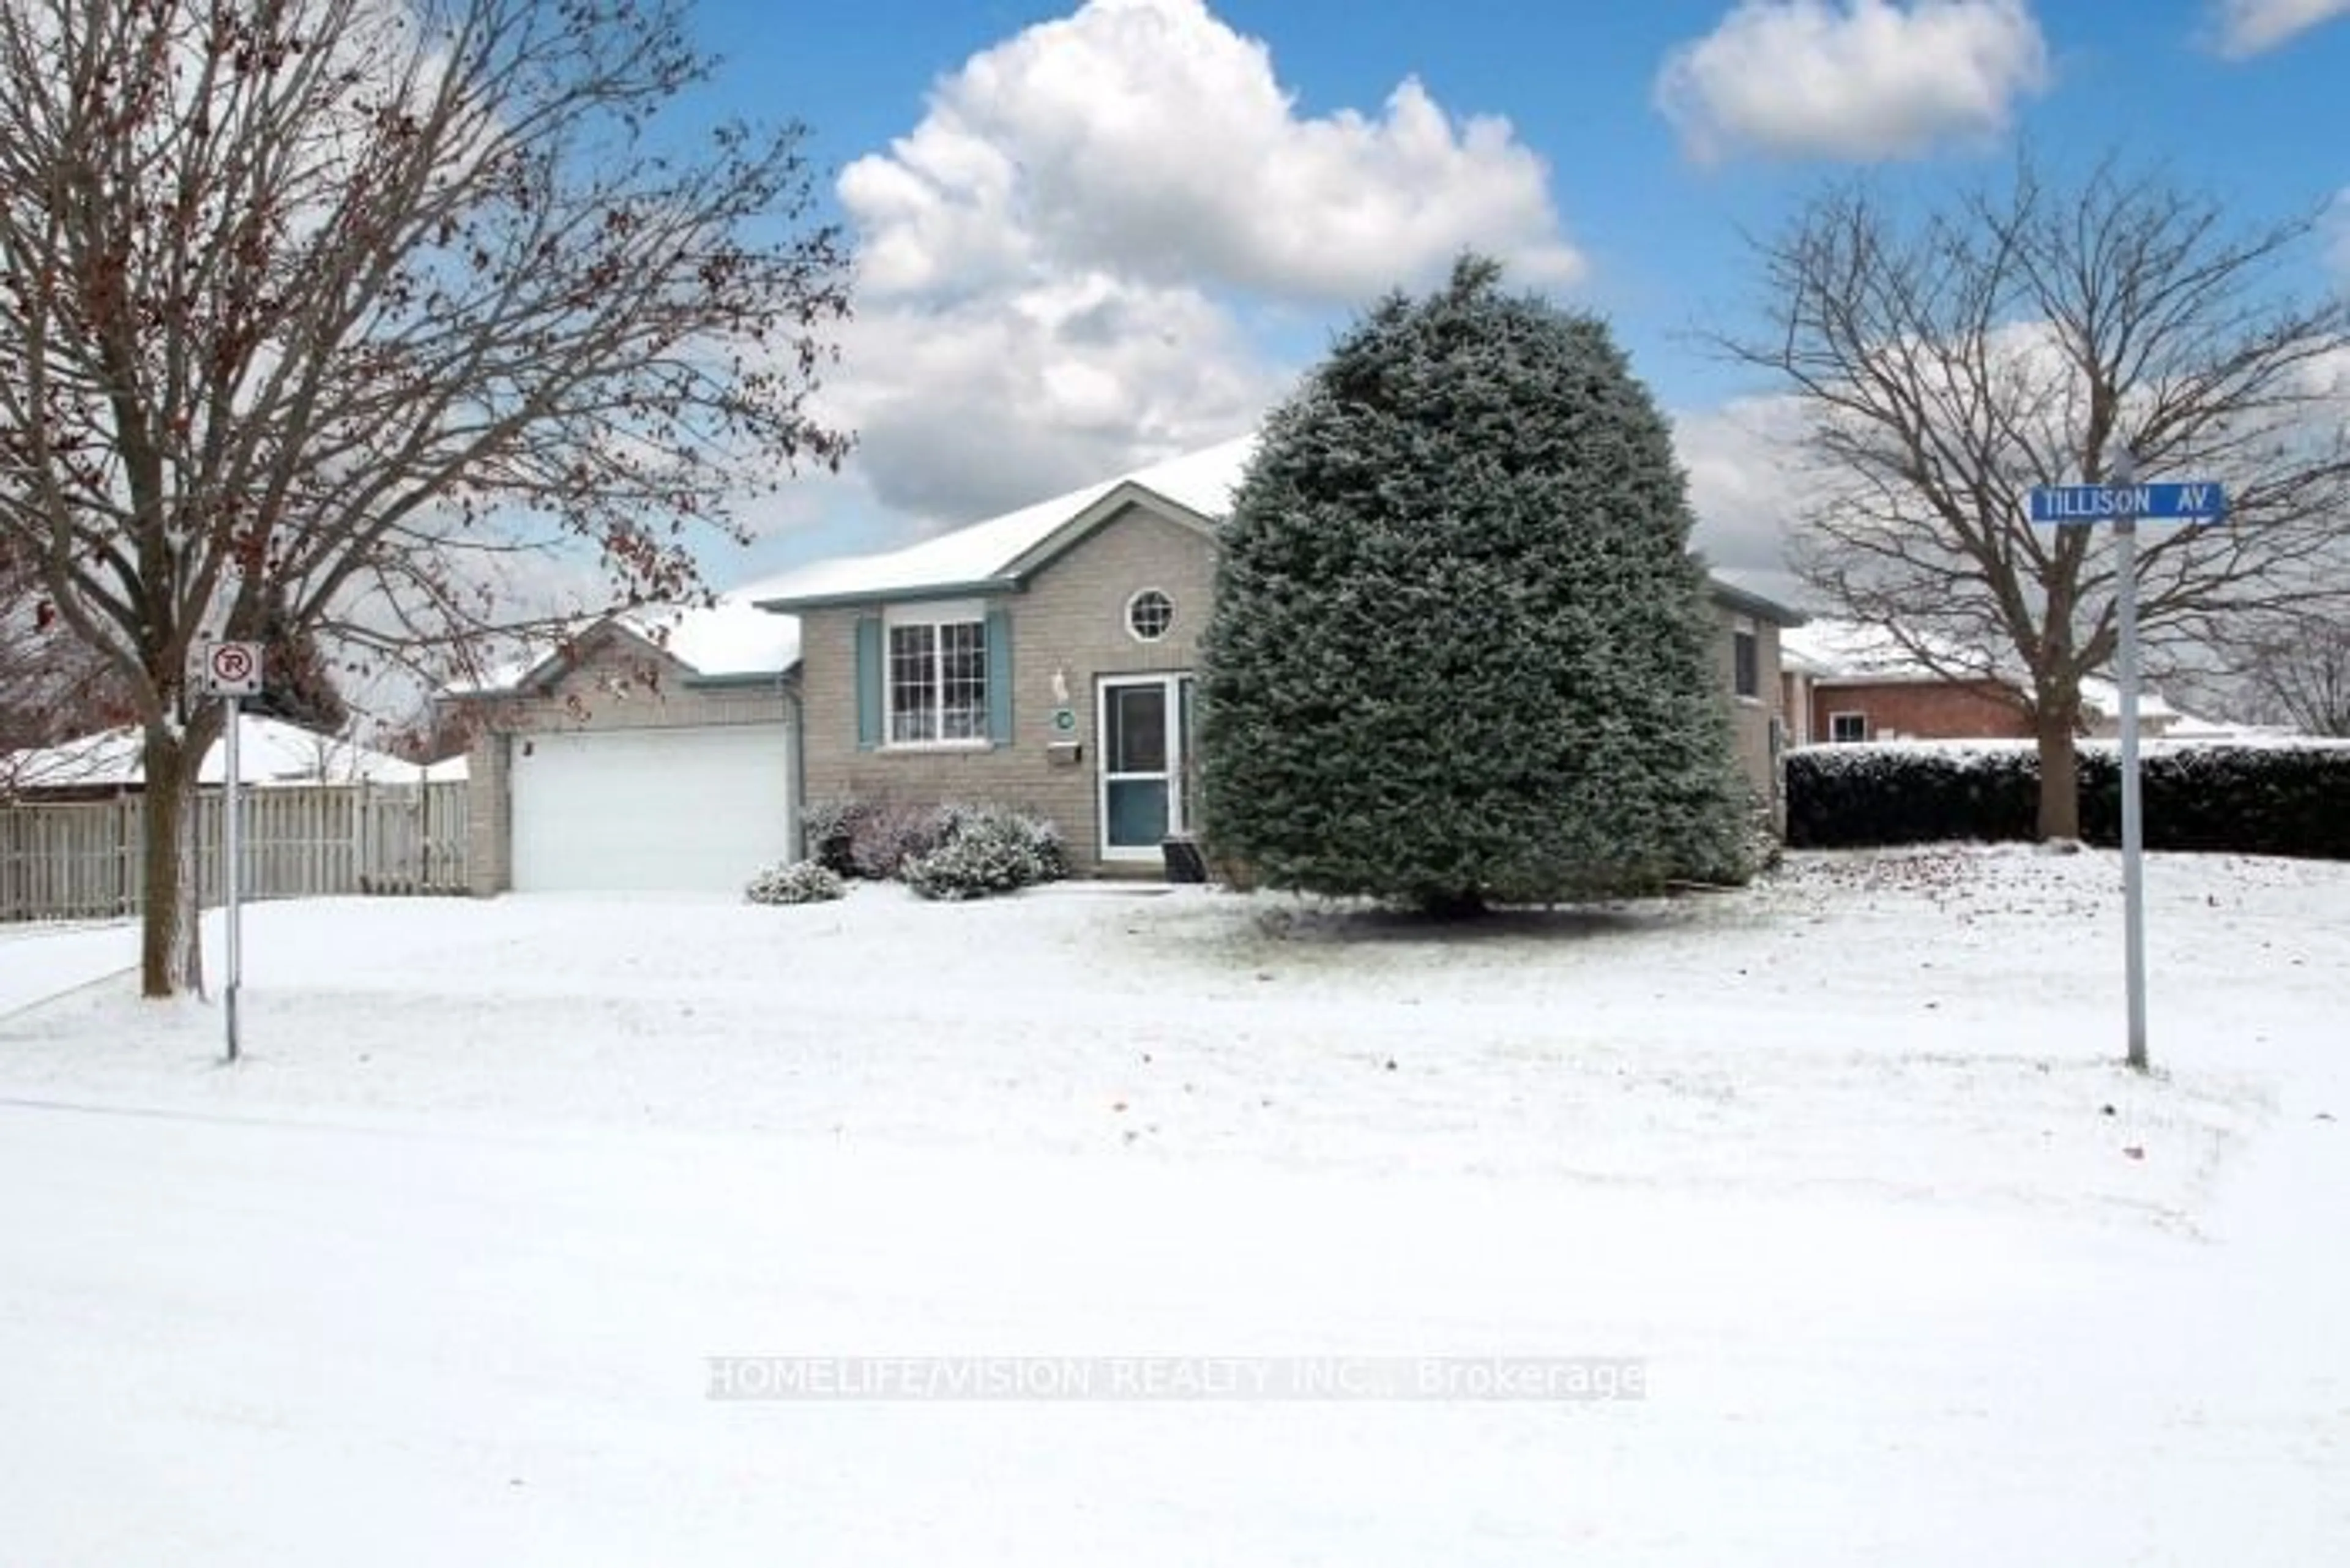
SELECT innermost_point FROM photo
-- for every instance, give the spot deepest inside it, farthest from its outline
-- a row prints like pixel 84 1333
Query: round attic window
pixel 1148 614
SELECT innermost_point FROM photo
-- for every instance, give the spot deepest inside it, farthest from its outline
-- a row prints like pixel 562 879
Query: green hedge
pixel 2244 797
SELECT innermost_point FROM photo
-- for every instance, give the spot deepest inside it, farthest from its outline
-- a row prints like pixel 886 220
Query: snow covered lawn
pixel 1915 1273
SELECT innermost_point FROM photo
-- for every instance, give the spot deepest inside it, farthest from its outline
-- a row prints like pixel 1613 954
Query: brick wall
pixel 1072 619
pixel 1920 709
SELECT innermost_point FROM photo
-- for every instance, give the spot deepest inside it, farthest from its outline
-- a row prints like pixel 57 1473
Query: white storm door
pixel 1145 726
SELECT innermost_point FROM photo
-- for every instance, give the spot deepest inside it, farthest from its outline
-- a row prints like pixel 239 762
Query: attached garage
pixel 653 752
pixel 687 809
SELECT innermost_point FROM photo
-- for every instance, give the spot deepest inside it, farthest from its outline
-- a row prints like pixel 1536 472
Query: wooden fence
pixel 80 860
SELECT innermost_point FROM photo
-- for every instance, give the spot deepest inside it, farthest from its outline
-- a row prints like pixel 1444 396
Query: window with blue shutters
pixel 934 675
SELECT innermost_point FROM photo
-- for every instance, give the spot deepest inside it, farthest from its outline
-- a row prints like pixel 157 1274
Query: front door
pixel 1146 734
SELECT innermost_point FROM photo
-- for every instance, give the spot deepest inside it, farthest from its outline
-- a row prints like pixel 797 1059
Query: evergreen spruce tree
pixel 1460 653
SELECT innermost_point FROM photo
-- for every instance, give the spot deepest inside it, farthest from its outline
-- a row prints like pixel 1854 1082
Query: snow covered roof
pixel 994 550
pixel 2103 699
pixel 1856 650
pixel 1000 551
pixel 731 639
pixel 269 751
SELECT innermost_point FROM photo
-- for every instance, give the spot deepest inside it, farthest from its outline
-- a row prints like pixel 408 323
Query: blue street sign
pixel 2194 501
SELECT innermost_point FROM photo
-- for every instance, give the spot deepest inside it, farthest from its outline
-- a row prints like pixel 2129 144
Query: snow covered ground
pixel 1914 1271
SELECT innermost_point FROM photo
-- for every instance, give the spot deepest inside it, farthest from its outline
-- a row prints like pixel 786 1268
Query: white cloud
pixel 1054 262
pixel 1148 137
pixel 2247 27
pixel 974 405
pixel 1859 80
pixel 1746 483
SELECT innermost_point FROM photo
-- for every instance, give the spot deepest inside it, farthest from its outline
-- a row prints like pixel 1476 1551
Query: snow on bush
pixel 800 882
pixel 871 838
pixel 2246 797
pixel 985 850
pixel 829 829
pixel 954 851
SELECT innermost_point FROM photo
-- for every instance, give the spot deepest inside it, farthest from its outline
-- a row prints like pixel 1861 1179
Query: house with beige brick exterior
pixel 1043 660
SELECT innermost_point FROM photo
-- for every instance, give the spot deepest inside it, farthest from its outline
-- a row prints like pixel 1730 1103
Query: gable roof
pixel 1001 552
pixel 732 640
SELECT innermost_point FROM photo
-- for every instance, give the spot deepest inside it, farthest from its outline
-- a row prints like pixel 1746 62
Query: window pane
pixel 1137 742
pixel 1149 614
pixel 913 683
pixel 963 658
pixel 1137 813
pixel 1747 676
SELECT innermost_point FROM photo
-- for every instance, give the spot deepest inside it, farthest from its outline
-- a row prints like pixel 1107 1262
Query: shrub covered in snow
pixel 800 882
pixel 1460 653
pixel 891 835
pixel 2248 798
pixel 954 851
pixel 984 850
pixel 871 838
pixel 829 829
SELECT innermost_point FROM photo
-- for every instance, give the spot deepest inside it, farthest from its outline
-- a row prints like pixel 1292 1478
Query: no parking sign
pixel 232 669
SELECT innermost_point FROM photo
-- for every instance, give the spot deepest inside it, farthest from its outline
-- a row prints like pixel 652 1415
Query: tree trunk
pixel 2060 774
pixel 170 950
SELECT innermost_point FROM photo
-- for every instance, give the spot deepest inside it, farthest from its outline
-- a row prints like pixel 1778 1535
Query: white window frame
pixel 1136 598
pixel 934 617
pixel 1857 718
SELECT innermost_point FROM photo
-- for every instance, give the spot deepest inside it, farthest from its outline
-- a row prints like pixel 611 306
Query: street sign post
pixel 231 671
pixel 2125 504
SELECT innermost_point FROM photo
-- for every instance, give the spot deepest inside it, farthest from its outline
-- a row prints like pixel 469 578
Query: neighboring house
pixel 271 753
pixel 1044 658
pixel 653 750
pixel 1847 682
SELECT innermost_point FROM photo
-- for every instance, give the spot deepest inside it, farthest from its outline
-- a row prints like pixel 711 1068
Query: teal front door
pixel 1146 724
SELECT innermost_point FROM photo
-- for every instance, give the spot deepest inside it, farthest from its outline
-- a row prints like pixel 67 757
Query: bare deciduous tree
pixel 51 687
pixel 2297 672
pixel 342 308
pixel 2028 333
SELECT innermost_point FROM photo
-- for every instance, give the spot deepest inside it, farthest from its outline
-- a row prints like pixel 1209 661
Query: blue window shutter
pixel 869 682
pixel 999 677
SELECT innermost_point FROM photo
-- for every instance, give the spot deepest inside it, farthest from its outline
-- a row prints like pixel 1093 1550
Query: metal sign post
pixel 232 670
pixel 2133 817
pixel 231 881
pixel 2124 504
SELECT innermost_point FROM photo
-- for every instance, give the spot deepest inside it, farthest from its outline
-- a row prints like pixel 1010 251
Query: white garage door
pixel 618 810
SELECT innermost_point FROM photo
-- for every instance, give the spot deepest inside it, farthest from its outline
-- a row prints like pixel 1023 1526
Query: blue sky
pixel 1095 235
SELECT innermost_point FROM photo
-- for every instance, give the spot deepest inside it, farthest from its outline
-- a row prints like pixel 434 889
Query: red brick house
pixel 1846 682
